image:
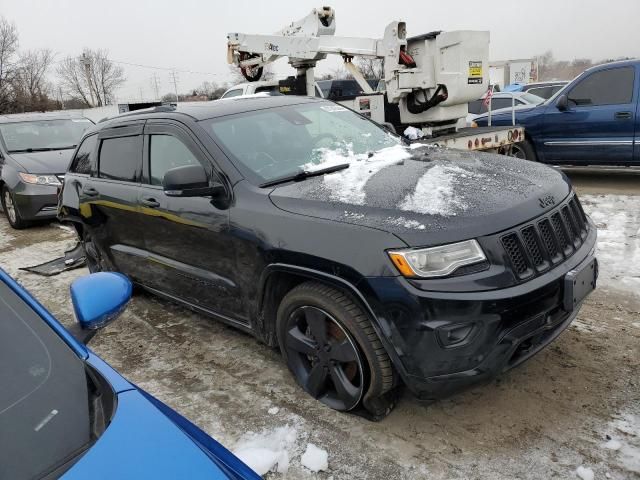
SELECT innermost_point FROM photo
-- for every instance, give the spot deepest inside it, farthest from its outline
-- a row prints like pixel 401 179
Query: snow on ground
pixel 585 473
pixel 618 220
pixel 314 458
pixel 434 193
pixel 624 434
pixel 267 451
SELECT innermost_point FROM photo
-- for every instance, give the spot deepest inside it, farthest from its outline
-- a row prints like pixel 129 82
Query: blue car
pixel 65 412
pixel 594 120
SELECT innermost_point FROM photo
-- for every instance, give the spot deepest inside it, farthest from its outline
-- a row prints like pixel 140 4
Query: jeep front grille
pixel 535 247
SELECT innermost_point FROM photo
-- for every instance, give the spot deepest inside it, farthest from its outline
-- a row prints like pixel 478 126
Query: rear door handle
pixel 90 192
pixel 623 115
pixel 149 202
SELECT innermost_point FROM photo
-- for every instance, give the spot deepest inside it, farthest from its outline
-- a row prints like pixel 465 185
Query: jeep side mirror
pixel 190 181
pixel 98 299
pixel 562 103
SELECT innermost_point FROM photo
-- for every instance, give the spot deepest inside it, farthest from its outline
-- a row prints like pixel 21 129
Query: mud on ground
pixel 541 420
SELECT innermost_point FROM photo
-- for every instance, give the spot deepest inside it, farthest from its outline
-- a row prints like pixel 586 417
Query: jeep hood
pixel 52 162
pixel 429 195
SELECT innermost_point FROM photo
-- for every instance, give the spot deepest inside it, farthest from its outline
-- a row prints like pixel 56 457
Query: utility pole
pixel 141 96
pixel 87 67
pixel 155 82
pixel 174 76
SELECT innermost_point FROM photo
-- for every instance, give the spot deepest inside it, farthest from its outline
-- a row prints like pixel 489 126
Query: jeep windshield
pixel 283 142
pixel 43 135
pixel 44 398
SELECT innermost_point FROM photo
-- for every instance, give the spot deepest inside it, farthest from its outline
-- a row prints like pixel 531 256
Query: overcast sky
pixel 190 35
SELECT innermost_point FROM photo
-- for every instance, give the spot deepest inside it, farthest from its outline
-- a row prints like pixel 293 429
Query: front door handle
pixel 149 202
pixel 90 192
pixel 623 115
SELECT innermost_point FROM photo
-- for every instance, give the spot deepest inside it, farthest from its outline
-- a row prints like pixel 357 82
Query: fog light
pixel 455 335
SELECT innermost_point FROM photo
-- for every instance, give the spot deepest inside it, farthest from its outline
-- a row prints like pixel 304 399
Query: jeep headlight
pixel 437 261
pixel 40 179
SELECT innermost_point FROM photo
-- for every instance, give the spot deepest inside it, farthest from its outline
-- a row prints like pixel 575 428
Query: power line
pixel 174 76
pixel 153 67
pixel 169 69
pixel 155 82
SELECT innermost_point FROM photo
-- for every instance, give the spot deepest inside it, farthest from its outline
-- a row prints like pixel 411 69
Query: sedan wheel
pixel 324 358
pixel 10 209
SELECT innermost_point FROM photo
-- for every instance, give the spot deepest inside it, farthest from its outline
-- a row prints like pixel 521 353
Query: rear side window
pixel 270 89
pixel 607 87
pixel 85 159
pixel 167 152
pixel 475 107
pixel 543 92
pixel 233 93
pixel 121 158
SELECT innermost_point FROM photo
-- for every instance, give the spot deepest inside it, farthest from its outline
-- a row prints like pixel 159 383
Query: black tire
pixel 11 209
pixel 350 340
pixel 524 150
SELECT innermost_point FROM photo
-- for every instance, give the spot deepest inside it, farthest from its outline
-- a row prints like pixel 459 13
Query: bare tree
pixel 211 89
pixel 92 77
pixel 8 50
pixel 30 88
pixel 371 68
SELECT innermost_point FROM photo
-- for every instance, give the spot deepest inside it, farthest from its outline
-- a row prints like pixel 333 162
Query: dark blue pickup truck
pixel 594 120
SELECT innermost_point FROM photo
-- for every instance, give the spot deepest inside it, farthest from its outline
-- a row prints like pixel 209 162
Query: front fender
pixel 380 324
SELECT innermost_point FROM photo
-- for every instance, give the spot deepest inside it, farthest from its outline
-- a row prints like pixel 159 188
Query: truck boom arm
pixel 435 87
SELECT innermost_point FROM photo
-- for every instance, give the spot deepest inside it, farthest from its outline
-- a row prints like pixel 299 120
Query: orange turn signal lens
pixel 401 264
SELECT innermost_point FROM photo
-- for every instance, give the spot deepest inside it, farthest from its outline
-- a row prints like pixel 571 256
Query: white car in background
pixel 250 88
pixel 502 102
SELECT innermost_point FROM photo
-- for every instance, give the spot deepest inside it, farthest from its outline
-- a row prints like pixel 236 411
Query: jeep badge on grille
pixel 547 201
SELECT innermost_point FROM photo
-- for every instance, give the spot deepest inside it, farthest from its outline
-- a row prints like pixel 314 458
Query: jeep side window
pixel 167 152
pixel 120 158
pixel 85 159
pixel 607 87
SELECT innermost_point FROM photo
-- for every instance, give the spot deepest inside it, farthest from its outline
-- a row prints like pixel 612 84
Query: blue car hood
pixel 141 442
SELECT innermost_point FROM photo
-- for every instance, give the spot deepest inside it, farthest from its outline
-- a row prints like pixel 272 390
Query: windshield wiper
pixel 22 150
pixel 303 174
pixel 41 149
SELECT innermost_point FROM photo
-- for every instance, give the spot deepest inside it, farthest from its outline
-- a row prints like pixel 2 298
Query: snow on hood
pixel 434 192
pixel 347 186
pixel 411 191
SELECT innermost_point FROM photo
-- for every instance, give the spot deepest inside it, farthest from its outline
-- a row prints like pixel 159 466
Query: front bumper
pixel 36 201
pixel 444 342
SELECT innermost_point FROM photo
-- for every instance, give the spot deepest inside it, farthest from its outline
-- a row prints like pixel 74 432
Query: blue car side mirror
pixel 98 299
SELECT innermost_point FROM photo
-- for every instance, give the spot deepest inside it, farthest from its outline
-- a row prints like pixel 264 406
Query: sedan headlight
pixel 40 179
pixel 437 261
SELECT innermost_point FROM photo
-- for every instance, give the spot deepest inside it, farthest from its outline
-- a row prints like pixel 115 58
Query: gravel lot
pixel 575 404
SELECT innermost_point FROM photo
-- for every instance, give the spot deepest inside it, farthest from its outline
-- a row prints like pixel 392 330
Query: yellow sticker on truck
pixel 475 69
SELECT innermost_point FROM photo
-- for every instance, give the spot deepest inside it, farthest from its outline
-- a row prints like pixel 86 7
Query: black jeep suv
pixel 368 261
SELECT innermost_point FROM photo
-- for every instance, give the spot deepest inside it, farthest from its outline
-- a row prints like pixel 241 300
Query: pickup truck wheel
pixel 333 351
pixel 524 150
pixel 11 210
